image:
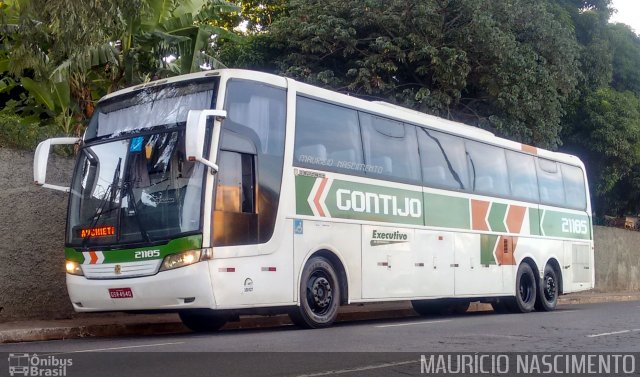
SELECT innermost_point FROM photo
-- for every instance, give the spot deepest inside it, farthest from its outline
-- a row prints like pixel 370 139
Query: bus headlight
pixel 74 268
pixel 180 260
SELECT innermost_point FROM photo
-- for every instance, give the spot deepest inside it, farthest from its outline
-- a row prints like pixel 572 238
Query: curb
pixel 165 325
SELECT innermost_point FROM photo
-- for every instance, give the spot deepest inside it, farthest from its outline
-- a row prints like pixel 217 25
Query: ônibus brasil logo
pixel 24 364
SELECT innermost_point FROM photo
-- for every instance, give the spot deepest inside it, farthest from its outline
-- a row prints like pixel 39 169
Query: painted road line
pixel 359 369
pixel 122 348
pixel 412 323
pixel 608 333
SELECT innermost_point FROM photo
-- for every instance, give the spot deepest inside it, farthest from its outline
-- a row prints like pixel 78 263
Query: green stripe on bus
pixel 360 201
pixel 446 211
pixel 487 246
pixel 73 255
pixel 496 217
pixel 177 245
pixel 348 200
pixel 303 189
pixel 534 221
pixel 567 225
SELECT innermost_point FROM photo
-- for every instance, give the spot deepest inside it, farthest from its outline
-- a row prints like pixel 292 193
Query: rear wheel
pixel 319 295
pixel 202 320
pixel 548 290
pixel 526 290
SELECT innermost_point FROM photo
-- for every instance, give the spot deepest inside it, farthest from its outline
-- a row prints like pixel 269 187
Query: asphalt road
pixel 371 348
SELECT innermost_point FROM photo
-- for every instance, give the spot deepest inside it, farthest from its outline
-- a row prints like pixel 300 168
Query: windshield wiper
pixel 132 200
pixel 127 187
pixel 108 197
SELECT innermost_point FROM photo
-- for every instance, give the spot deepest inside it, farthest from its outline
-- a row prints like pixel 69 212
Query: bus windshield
pixel 139 189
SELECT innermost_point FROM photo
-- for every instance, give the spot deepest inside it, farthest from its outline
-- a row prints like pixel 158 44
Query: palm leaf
pixel 39 91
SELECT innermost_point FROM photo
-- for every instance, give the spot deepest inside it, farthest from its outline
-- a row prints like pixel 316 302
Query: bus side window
pixel 574 186
pixel 550 182
pixel 388 149
pixel 488 168
pixel 235 220
pixel 327 137
pixel 443 160
pixel 522 176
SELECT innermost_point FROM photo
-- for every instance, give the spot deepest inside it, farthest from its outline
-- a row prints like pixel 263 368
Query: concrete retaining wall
pixel 32 226
pixel 617 264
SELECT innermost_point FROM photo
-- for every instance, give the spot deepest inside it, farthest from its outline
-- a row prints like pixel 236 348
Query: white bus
pixel 230 192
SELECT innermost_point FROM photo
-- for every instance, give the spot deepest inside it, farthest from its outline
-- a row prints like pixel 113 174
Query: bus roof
pixel 379 107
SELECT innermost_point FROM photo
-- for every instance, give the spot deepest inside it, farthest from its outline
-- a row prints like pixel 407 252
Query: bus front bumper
pixel 182 288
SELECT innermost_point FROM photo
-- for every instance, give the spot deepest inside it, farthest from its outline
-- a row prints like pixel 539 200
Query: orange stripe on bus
pixel 316 199
pixel 479 209
pixel 515 218
pixel 529 149
pixel 94 257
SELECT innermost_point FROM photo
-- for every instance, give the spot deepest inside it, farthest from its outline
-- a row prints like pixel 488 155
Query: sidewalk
pixel 147 324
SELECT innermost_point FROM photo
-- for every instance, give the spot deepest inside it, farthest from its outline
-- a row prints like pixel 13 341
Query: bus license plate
pixel 120 293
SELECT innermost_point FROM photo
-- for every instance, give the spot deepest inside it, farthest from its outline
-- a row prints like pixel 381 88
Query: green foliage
pixel 254 15
pixel 609 141
pixel 625 46
pixel 65 54
pixel 508 66
pixel 16 132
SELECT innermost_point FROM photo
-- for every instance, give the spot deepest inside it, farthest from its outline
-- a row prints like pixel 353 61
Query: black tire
pixel 526 288
pixel 548 290
pixel 203 320
pixel 440 307
pixel 319 295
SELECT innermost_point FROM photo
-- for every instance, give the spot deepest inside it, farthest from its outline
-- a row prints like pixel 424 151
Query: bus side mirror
pixel 41 159
pixel 196 131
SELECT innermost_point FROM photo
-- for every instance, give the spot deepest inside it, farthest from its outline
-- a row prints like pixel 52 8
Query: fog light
pixel 74 268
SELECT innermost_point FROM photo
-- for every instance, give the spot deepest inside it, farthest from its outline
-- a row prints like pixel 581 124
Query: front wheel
pixel 526 289
pixel 548 292
pixel 319 295
pixel 203 320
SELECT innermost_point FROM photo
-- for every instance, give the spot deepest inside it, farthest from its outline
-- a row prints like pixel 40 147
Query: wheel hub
pixel 549 287
pixel 321 292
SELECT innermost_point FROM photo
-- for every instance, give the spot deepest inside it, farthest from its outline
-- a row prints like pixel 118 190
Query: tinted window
pixel 522 176
pixel 488 169
pixel 235 221
pixel 327 137
pixel 390 148
pixel 550 183
pixel 261 108
pixel 574 186
pixel 257 112
pixel 443 160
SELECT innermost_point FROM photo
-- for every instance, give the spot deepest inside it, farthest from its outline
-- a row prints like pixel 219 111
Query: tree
pixel 609 143
pixel 508 66
pixel 68 53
